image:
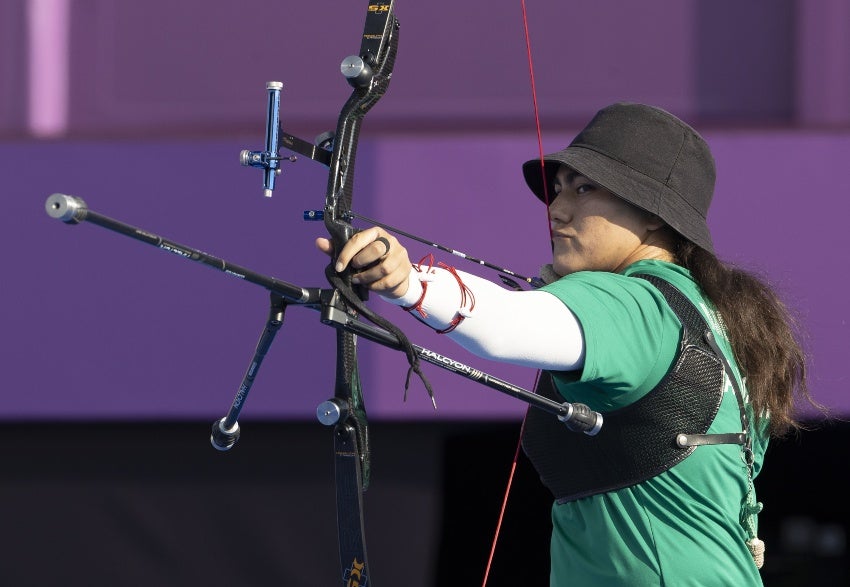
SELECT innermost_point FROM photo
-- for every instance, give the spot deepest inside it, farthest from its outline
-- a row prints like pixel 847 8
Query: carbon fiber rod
pixel 72 210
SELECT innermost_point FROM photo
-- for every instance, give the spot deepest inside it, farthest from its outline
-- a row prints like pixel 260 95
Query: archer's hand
pixel 384 269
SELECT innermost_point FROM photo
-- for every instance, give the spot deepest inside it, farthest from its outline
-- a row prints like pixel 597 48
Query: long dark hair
pixel 764 335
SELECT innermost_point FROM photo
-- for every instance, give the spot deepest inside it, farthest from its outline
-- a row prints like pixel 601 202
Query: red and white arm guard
pixel 529 328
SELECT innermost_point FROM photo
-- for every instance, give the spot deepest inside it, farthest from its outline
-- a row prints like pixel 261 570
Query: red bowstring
pixel 548 224
pixel 507 494
pixel 536 116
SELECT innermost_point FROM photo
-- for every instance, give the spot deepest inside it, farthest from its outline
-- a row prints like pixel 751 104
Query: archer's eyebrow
pixel 569 178
pixel 567 174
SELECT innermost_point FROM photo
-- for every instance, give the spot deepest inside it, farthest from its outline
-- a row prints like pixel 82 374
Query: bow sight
pixel 269 159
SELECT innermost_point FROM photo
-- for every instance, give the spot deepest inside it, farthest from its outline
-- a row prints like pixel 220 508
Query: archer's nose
pixel 559 213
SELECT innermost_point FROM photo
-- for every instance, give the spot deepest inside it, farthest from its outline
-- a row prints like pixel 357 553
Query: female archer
pixel 693 363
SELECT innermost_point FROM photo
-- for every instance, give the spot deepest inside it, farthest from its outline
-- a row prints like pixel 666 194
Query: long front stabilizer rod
pixel 73 210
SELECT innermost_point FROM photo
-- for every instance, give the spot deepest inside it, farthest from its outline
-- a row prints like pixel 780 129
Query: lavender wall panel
pixel 165 67
pixel 745 66
pixel 157 66
pixel 781 209
pixel 13 68
pixel 95 325
pixel 823 63
pixel 100 325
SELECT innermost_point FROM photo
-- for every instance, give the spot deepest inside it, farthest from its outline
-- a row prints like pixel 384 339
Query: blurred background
pixel 116 358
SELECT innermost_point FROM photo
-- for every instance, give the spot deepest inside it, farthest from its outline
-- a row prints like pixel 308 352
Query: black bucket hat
pixel 645 156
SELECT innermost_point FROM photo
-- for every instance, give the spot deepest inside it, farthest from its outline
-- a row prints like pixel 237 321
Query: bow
pixel 369 73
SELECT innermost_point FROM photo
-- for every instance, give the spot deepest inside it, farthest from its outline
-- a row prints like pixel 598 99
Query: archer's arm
pixel 529 328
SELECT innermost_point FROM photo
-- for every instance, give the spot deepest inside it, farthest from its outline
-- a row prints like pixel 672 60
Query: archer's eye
pixel 585 188
pixel 556 188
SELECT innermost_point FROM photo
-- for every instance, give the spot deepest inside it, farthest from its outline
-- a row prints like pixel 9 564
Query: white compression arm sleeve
pixel 530 328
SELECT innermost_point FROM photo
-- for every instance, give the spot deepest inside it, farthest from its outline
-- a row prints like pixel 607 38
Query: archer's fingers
pixel 364 248
pixel 388 275
pixel 324 245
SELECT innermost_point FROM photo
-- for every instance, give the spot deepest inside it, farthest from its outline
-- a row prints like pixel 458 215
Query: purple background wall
pixel 160 97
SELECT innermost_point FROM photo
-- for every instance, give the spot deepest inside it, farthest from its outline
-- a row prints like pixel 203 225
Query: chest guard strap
pixel 646 437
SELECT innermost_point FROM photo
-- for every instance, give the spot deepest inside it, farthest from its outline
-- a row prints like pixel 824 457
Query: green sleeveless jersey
pixel 682 527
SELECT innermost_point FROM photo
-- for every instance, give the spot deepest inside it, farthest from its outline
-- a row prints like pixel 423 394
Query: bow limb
pixel 369 73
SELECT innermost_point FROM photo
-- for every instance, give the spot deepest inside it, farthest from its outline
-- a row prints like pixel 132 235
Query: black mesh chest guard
pixel 645 438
